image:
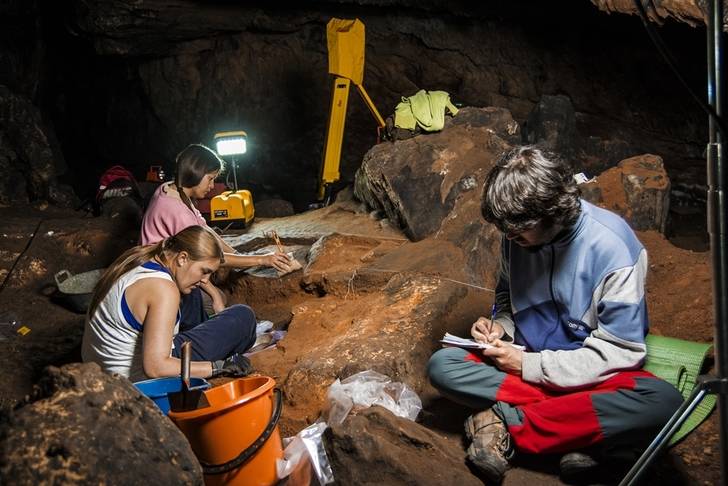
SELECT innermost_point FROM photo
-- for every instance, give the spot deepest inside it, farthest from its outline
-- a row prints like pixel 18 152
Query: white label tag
pixel 581 178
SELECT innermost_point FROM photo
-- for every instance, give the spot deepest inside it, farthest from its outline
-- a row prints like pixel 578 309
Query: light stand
pixel 716 199
pixel 234 168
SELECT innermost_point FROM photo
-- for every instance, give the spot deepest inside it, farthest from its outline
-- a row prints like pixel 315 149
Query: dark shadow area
pixel 137 97
pixel 687 228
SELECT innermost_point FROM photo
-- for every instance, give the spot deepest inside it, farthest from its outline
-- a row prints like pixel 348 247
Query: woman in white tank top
pixel 134 313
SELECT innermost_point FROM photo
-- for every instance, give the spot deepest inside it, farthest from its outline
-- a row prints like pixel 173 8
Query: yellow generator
pixel 232 208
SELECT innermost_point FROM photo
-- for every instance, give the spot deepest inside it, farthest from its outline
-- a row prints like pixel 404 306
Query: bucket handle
pixel 252 449
pixel 58 277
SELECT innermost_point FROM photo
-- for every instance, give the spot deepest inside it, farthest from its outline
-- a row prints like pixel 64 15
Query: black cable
pixel 670 60
pixel 22 253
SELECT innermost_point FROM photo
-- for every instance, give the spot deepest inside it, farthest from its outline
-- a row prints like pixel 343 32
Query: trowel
pixel 187 399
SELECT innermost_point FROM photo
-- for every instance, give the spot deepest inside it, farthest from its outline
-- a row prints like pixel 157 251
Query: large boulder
pixel 362 450
pixel 371 305
pixel 83 426
pixel 392 332
pixel 638 189
pixel 552 125
pixel 430 185
pixel 418 182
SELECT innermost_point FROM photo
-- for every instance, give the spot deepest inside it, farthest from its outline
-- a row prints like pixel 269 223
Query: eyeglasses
pixel 510 235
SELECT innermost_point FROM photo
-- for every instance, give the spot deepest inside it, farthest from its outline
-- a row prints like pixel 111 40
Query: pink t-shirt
pixel 167 215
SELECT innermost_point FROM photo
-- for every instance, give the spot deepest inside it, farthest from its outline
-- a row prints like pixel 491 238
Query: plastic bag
pixel 304 458
pixel 263 326
pixel 371 388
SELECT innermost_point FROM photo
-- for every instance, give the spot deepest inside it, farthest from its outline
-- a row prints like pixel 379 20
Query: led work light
pixel 232 208
pixel 231 143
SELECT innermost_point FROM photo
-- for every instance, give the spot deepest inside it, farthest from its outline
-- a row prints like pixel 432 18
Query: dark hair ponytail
pixel 193 163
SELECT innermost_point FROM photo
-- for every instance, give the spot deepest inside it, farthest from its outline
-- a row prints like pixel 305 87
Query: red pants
pixel 628 408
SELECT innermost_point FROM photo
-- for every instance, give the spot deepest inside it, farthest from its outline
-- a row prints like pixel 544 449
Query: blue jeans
pixel 192 310
pixel 226 333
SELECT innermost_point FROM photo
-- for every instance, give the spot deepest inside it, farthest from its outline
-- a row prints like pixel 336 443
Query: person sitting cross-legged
pixel 571 291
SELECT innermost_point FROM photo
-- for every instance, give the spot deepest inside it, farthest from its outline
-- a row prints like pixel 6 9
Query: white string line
pixel 382 270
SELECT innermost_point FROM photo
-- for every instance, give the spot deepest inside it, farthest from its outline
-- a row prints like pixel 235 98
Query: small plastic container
pixel 158 389
pixel 10 326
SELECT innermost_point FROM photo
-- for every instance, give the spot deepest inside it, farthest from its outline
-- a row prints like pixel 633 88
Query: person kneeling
pixel 133 320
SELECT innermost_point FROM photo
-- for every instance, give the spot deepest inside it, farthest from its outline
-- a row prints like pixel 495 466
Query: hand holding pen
pixel 486 331
pixel 495 330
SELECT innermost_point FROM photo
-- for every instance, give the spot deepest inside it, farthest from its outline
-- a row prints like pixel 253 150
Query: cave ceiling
pixel 688 11
pixel 162 27
pixel 132 82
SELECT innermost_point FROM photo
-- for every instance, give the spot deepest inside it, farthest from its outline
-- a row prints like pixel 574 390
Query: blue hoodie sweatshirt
pixel 577 303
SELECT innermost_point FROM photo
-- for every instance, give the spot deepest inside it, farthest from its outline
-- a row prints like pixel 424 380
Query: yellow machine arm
pixel 345 40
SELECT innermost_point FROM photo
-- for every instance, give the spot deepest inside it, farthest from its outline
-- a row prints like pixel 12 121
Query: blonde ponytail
pixel 199 242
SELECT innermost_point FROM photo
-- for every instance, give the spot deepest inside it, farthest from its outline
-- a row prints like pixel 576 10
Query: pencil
pixel 277 241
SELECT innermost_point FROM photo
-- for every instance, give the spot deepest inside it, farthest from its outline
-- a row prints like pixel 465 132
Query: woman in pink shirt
pixel 172 209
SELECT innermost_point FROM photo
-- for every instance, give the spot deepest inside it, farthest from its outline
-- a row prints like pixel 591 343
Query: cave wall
pixel 133 83
pixel 31 158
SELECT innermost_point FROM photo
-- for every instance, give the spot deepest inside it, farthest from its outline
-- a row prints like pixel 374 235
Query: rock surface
pixel 380 306
pixel 173 72
pixel 361 449
pixel 638 189
pixel 29 163
pixel 83 426
pixel 692 12
pixel 419 182
pixel 342 293
pixel 552 125
pixel 273 208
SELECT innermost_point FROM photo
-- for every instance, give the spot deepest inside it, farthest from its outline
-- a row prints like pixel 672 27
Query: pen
pixel 493 311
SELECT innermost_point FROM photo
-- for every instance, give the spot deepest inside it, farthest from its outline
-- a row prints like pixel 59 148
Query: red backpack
pixel 116 182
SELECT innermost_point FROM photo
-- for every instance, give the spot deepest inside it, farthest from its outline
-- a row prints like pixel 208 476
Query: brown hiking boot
pixel 491 445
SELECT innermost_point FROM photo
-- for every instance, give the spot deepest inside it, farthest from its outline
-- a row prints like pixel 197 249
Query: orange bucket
pixel 236 438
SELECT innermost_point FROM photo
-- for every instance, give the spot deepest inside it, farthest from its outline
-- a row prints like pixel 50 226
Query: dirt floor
pixel 36 243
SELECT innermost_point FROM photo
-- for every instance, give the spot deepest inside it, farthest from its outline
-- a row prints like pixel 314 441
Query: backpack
pixel 117 181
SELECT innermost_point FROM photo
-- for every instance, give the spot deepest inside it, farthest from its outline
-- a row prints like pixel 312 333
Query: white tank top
pixel 112 335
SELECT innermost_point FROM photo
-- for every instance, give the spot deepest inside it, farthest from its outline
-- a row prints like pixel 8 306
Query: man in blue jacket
pixel 571 292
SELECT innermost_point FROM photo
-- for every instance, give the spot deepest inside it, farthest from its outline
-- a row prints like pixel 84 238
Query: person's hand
pixel 236 366
pixel 506 357
pixel 278 260
pixel 218 298
pixel 485 331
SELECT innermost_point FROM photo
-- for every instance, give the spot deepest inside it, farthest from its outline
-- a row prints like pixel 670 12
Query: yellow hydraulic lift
pixel 345 40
